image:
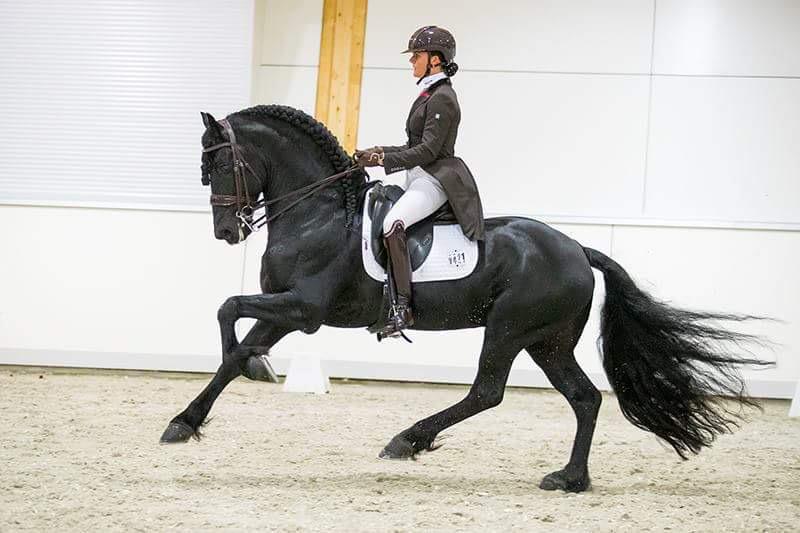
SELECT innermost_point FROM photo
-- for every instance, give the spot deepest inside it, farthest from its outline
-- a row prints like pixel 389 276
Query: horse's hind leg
pixel 497 355
pixel 567 377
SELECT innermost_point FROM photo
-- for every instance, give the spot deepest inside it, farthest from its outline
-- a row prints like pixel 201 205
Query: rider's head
pixel 432 50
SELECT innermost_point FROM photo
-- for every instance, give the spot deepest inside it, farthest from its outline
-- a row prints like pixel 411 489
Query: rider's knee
pixel 388 224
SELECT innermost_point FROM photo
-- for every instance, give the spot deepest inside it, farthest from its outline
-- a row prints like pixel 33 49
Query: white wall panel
pixel 113 281
pixel 571 144
pixel 105 97
pixel 730 37
pixel 293 86
pixel 290 32
pixel 750 272
pixel 549 35
pixel 725 149
pixel 564 144
pixel 386 97
pixel 287 53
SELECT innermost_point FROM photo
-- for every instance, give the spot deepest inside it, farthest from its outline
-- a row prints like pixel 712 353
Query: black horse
pixel 532 291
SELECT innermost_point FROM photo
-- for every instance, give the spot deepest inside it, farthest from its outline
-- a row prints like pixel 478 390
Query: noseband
pixel 245 207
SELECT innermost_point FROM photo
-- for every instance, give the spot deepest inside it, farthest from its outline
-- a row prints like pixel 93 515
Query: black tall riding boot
pixel 400 275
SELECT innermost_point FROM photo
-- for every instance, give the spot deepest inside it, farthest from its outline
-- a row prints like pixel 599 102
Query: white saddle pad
pixel 453 256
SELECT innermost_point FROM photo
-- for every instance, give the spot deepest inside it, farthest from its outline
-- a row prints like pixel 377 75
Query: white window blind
pixel 101 100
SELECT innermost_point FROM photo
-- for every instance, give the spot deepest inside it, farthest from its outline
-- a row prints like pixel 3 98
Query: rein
pixel 245 208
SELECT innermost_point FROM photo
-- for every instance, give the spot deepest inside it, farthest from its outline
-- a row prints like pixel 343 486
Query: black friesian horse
pixel 532 291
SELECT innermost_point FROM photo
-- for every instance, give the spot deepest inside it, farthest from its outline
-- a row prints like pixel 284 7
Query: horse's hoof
pixel 560 481
pixel 258 368
pixel 176 432
pixel 398 448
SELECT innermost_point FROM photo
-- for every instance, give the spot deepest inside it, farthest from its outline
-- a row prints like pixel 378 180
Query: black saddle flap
pixel 420 235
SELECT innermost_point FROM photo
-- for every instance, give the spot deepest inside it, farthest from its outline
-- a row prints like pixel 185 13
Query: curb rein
pixel 245 208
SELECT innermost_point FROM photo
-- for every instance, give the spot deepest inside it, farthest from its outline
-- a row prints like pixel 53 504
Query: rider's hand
pixel 375 159
pixel 371 157
pixel 359 153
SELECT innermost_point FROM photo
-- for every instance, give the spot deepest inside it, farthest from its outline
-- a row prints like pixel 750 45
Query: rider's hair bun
pixel 450 68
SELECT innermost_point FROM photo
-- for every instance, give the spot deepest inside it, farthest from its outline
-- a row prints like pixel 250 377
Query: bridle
pixel 245 206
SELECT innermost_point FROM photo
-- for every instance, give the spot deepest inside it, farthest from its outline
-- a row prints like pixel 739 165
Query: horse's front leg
pixel 283 311
pixel 278 315
pixel 252 353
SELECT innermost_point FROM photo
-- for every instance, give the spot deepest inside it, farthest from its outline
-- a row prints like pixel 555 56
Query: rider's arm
pixel 439 116
pixel 390 149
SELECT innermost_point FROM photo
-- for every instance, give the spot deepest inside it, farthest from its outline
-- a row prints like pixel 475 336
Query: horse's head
pixel 235 187
pixel 283 155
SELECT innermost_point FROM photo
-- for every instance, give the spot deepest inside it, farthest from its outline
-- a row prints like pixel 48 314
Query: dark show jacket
pixel 432 127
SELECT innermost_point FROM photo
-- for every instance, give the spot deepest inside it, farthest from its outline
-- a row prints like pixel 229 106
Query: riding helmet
pixel 433 39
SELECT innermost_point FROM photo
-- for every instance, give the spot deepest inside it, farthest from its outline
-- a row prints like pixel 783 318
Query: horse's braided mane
pixel 325 140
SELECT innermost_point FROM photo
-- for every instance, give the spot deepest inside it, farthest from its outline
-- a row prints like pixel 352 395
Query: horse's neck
pixel 293 160
pixel 290 170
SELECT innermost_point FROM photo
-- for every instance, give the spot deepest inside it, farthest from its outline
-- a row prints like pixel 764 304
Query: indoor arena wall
pixel 662 133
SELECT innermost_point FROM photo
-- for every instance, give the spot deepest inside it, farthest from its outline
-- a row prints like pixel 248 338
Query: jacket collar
pixel 424 95
pixel 435 85
pixel 427 81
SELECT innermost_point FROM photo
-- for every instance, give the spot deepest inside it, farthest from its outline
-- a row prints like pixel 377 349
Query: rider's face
pixel 419 62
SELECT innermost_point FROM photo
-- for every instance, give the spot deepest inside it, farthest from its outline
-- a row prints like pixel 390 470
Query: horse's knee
pixel 229 310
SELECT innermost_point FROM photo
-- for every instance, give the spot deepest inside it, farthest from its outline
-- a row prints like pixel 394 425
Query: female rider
pixel 433 174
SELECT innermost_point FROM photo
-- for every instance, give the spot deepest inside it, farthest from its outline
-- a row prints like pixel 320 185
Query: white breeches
pixel 424 195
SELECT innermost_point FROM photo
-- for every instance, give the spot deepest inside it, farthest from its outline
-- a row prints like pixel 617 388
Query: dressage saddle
pixel 420 235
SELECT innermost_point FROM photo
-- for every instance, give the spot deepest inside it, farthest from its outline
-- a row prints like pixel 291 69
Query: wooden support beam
pixel 341 58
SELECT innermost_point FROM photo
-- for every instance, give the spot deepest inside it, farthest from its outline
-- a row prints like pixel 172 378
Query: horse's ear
pixel 207 118
pixel 212 126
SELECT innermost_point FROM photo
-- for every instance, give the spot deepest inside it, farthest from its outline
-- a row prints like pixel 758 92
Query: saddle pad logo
pixel 457 258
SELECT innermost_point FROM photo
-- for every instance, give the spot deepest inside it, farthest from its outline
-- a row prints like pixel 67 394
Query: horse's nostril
pixel 224 233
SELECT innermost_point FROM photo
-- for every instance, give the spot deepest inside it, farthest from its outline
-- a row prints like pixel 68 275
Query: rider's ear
pixel 212 126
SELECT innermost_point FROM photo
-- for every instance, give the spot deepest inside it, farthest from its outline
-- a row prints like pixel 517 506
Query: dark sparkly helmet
pixel 433 39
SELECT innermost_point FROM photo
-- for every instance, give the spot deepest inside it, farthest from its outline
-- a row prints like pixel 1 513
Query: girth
pixel 420 235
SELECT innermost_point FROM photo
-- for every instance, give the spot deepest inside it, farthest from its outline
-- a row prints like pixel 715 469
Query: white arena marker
pixel 794 410
pixel 306 375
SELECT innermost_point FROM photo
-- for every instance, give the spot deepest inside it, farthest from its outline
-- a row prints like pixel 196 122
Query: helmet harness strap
pixel 427 69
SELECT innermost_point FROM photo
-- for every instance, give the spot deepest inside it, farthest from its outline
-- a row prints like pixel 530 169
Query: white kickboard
pixel 794 409
pixel 453 255
pixel 306 375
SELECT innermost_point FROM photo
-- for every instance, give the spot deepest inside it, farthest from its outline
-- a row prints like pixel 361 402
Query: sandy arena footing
pixel 79 451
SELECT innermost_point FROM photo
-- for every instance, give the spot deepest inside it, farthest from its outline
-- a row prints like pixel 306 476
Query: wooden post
pixel 341 58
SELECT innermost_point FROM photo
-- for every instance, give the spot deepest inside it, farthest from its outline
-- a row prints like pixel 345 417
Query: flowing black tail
pixel 668 368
